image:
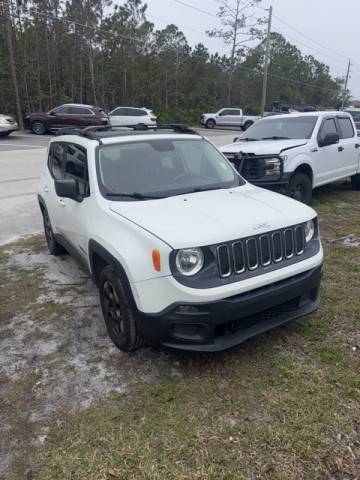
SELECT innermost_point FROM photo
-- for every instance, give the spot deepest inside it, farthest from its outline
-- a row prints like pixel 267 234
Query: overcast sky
pixel 328 29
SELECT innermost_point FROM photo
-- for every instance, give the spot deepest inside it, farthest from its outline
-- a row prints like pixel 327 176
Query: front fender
pixel 295 161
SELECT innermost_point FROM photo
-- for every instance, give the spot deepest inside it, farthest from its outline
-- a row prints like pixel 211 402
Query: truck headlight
pixel 309 230
pixel 189 261
pixel 272 167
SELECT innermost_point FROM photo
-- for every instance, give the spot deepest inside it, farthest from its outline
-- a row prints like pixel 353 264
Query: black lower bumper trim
pixel 225 323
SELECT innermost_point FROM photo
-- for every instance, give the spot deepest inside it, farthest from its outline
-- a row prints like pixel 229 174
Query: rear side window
pixel 136 112
pixel 56 160
pixel 347 130
pixel 76 166
pixel 79 111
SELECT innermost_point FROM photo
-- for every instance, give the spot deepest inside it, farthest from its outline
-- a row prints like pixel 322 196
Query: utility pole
pixel 346 85
pixel 266 66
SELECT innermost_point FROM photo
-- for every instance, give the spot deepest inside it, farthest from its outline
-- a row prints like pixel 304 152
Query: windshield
pixel 161 168
pixel 275 128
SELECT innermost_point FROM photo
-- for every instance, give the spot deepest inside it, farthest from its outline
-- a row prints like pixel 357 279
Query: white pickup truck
pixel 296 153
pixel 228 117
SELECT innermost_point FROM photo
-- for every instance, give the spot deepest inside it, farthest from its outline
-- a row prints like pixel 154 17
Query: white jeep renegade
pixel 185 252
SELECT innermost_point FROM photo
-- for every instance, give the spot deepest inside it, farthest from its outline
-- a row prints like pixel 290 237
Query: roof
pixel 79 105
pixel 104 133
pixel 317 113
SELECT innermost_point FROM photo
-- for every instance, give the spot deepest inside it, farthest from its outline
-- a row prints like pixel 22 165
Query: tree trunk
pixel 12 61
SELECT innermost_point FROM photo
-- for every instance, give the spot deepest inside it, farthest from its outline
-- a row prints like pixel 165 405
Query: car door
pixel 58 118
pixel 74 216
pixel 234 117
pixel 54 171
pixel 224 117
pixel 80 117
pixel 349 146
pixel 327 164
pixel 119 117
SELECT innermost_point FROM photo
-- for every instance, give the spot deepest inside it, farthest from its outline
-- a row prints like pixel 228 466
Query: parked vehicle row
pixel 296 153
pixel 81 116
pixel 185 252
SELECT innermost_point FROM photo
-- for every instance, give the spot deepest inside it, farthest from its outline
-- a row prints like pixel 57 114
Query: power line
pixel 241 67
pixel 306 36
pixel 196 8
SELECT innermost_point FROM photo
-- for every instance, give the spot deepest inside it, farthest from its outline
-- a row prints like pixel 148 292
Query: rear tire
pixel 210 124
pixel 300 188
pixel 53 245
pixel 118 313
pixel 38 127
pixel 355 182
pixel 247 125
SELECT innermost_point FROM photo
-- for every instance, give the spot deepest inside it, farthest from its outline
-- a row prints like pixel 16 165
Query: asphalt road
pixel 22 156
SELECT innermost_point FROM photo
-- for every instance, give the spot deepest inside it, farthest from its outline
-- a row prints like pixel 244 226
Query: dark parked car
pixel 68 115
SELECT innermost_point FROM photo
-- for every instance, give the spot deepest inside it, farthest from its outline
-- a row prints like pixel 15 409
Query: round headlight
pixel 309 230
pixel 189 261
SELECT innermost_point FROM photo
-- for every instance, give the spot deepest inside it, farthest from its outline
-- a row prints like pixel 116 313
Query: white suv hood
pixel 211 217
pixel 262 147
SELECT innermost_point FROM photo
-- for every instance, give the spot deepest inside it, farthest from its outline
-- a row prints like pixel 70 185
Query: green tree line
pixel 92 51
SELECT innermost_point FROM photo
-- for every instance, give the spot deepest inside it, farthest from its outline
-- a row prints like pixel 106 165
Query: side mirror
pixel 330 139
pixel 52 113
pixel 236 139
pixel 68 188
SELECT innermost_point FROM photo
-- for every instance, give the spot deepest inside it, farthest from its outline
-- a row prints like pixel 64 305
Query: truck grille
pixel 260 251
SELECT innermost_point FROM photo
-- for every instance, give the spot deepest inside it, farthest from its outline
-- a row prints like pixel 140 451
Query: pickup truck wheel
pixel 247 125
pixel 38 127
pixel 53 245
pixel 300 188
pixel 210 124
pixel 355 182
pixel 118 314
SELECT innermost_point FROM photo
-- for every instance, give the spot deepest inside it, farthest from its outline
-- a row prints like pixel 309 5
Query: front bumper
pixel 216 326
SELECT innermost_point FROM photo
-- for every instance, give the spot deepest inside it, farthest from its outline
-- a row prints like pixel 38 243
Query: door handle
pixel 62 203
pixel 357 145
pixel 46 189
pixel 340 149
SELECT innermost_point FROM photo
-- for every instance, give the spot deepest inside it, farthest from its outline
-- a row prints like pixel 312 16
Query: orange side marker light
pixel 156 260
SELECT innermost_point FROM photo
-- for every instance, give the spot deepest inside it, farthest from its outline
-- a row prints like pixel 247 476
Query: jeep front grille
pixel 260 251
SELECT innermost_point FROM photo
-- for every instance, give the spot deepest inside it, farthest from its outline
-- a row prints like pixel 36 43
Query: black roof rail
pixel 94 132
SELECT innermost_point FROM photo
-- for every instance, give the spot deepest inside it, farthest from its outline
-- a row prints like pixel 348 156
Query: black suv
pixel 68 115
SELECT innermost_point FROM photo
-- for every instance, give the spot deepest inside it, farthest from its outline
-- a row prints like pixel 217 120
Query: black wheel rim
pixel 38 128
pixel 113 309
pixel 47 228
pixel 297 192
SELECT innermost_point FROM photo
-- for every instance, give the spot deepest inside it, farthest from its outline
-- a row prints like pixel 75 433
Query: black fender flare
pixel 97 251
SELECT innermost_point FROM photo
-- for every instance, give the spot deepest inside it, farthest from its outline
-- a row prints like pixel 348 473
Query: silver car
pixel 7 125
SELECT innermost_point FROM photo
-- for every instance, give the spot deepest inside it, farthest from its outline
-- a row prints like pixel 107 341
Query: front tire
pixel 300 188
pixel 4 134
pixel 210 124
pixel 53 245
pixel 355 182
pixel 118 313
pixel 38 127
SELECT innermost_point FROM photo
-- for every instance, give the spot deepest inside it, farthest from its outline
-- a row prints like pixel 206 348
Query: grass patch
pixel 283 406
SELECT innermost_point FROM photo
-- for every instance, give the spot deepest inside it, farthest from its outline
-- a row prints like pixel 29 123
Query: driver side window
pixel 328 127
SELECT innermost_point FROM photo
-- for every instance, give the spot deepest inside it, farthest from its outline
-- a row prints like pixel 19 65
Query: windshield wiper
pixel 276 138
pixel 203 189
pixel 248 139
pixel 136 195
